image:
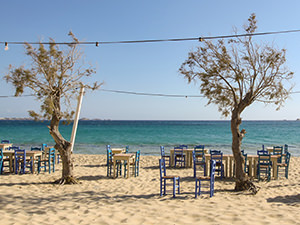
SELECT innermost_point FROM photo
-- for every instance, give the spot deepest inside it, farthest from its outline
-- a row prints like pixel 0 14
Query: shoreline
pixel 101 200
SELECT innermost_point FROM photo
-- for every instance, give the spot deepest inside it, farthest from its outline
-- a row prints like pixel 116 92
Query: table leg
pixel 114 166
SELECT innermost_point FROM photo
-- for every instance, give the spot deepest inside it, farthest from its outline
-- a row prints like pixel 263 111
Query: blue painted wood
pixel 48 162
pixel 164 155
pixel 210 179
pixel 179 157
pixel 21 163
pixel 199 161
pixel 164 178
pixel 217 155
pixel 264 166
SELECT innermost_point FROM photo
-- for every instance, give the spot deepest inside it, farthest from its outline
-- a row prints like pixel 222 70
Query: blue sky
pixel 149 67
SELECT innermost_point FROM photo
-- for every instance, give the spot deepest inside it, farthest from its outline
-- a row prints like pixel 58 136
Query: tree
pixel 235 74
pixel 54 77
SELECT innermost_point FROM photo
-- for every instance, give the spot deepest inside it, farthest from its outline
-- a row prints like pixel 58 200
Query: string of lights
pixel 136 93
pixel 97 43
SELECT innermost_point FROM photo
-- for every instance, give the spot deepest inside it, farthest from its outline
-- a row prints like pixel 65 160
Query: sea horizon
pixel 148 135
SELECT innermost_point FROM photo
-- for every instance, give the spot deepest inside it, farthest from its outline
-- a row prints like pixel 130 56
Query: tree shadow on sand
pixel 286 199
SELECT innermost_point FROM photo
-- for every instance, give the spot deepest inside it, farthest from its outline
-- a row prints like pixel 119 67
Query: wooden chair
pixel 164 155
pixel 218 157
pixel 210 179
pixel 264 166
pixel 48 161
pixel 199 161
pixel 21 162
pixel 183 146
pixel 278 150
pixel 133 165
pixel 1 161
pixel 109 164
pixel 285 165
pixel 164 178
pixel 179 157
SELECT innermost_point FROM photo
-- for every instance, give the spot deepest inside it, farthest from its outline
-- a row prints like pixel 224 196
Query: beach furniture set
pixel 268 163
pixel 118 158
pixel 20 161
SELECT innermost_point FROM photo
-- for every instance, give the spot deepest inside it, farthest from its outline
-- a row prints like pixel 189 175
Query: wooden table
pixel 118 150
pixel 5 145
pixel 252 161
pixel 124 157
pixel 188 154
pixel 31 154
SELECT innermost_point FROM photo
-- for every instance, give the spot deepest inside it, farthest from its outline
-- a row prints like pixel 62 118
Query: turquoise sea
pixel 93 136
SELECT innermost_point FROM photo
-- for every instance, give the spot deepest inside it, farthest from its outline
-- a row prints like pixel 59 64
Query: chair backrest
pixel 199 147
pixel 5 141
pixel 199 155
pixel 212 170
pixel 286 148
pixel 162 151
pixel 216 155
pixel 13 148
pixel 1 157
pixel 263 147
pixel 264 159
pixel 287 158
pixel 44 146
pixel 109 156
pixel 35 149
pixel 262 152
pixel 52 153
pixel 183 146
pixel 162 167
pixel 178 151
pixel 107 147
pixel 137 157
pixel 20 154
pixel 127 149
pixel 277 150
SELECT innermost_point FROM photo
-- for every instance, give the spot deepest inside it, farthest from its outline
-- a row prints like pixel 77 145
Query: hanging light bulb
pixel 6 46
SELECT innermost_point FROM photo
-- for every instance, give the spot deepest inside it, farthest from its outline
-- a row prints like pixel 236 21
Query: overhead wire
pixel 97 43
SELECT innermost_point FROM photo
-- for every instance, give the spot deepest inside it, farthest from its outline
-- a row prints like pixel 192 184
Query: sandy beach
pixel 33 199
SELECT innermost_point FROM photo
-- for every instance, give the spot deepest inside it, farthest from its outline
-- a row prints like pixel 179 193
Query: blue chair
pixel 210 179
pixel 286 148
pixel 48 161
pixel 109 163
pixel 127 149
pixel 183 146
pixel 218 157
pixel 44 146
pixel 246 167
pixel 285 165
pixel 199 161
pixel 179 157
pixel 278 150
pixel 164 155
pixel 164 178
pixel 5 142
pixel 134 165
pixel 1 161
pixel 36 149
pixel 262 152
pixel 264 166
pixel 21 163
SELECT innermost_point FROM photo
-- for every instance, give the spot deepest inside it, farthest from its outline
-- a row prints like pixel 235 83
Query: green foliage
pixel 53 77
pixel 236 73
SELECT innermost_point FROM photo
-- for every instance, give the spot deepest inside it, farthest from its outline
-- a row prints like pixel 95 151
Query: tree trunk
pixel 64 149
pixel 242 180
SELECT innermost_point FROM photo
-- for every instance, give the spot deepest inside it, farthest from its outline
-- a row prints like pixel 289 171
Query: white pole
pixel 76 118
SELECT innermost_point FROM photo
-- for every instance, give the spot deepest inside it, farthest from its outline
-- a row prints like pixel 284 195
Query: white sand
pixel 32 199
